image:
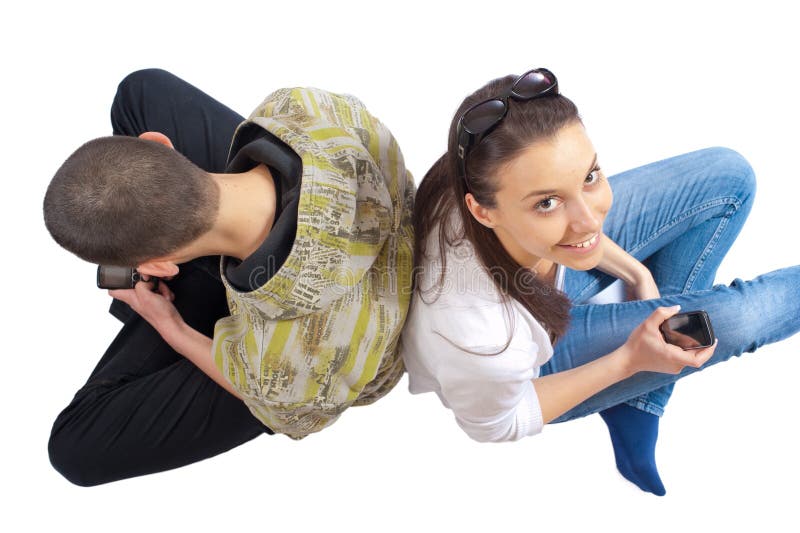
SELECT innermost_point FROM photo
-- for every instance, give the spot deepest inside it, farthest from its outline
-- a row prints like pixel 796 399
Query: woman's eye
pixel 593 177
pixel 547 205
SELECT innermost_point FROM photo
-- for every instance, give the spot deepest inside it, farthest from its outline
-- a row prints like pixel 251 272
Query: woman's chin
pixel 581 263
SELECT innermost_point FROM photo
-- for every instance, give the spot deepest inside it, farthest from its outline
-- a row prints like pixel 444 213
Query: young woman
pixel 516 229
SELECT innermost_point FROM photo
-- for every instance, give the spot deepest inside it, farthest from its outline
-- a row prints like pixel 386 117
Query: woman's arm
pixel 617 262
pixel 496 396
pixel 645 350
pixel 560 392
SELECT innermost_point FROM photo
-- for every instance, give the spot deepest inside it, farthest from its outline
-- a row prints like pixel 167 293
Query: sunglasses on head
pixel 480 119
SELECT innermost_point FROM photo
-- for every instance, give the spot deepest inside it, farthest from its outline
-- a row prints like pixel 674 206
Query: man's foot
pixel 633 435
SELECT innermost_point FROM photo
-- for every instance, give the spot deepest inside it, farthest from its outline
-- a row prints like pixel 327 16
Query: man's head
pixel 127 201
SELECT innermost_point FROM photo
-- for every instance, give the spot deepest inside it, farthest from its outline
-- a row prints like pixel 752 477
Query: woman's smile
pixel 583 247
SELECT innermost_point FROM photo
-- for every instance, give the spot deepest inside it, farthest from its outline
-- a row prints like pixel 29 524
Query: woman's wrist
pixel 641 274
pixel 623 359
pixel 620 264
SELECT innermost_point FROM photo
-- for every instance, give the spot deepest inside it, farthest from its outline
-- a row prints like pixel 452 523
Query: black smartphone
pixel 690 330
pixel 117 277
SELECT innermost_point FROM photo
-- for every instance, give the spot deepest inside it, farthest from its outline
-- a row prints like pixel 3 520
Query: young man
pixel 289 267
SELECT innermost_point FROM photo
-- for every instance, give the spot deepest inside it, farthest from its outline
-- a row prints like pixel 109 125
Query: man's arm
pixel 157 309
pixel 195 347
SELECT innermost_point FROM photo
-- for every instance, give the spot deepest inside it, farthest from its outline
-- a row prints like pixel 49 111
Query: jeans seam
pixel 707 250
pixel 648 407
pixel 733 200
pixel 636 402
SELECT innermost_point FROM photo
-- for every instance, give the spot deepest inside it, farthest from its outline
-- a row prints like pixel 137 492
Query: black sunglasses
pixel 480 119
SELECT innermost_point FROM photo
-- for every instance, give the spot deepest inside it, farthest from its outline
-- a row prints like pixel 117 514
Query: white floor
pixel 650 83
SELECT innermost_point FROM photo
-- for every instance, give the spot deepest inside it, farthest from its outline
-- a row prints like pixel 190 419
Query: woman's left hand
pixel 643 288
pixel 154 306
pixel 639 282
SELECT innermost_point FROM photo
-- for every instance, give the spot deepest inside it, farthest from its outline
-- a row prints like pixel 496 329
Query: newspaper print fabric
pixel 322 334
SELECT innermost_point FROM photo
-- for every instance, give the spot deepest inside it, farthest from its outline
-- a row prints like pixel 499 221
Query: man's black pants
pixel 145 408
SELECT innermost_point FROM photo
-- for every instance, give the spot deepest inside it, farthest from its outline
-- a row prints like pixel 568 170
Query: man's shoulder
pixel 305 104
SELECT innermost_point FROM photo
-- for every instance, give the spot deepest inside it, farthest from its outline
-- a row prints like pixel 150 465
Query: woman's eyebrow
pixel 551 191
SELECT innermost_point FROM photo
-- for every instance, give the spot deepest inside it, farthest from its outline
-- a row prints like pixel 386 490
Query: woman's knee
pixel 730 173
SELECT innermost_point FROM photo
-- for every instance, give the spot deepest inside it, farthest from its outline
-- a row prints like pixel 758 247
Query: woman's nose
pixel 583 219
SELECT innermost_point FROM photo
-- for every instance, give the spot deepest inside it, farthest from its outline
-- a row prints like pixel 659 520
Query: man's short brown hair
pixel 124 200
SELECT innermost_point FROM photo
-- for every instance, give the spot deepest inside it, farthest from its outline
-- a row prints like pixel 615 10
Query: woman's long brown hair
pixel 443 188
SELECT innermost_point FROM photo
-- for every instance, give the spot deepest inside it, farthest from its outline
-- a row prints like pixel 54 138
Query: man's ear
pixel 479 213
pixel 158 137
pixel 159 269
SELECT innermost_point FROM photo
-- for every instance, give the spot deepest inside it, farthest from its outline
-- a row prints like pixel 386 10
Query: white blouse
pixel 491 396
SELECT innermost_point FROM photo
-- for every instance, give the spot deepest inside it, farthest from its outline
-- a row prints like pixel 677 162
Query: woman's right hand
pixel 646 349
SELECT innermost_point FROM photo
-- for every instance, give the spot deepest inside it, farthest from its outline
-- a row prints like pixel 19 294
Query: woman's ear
pixel 158 137
pixel 479 213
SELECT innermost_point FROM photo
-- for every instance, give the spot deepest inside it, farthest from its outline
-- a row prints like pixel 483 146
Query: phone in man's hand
pixel 117 277
pixel 690 330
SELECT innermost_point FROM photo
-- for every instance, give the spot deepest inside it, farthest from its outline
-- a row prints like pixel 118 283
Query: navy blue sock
pixel 634 434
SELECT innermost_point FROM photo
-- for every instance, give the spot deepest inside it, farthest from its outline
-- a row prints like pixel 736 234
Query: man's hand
pixel 154 306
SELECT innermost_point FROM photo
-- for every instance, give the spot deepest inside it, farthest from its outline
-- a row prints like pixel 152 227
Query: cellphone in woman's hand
pixel 690 330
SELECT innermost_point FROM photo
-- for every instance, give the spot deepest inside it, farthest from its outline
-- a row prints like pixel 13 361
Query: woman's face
pixel 552 196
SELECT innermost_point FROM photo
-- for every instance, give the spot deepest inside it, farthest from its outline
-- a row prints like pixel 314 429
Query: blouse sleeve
pixel 491 396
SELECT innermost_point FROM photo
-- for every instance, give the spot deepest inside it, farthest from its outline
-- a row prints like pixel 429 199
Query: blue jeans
pixel 679 217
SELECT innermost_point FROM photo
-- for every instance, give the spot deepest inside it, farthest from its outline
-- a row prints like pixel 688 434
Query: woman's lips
pixel 583 249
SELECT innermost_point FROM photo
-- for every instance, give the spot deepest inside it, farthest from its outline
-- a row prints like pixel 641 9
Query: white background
pixel 650 82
